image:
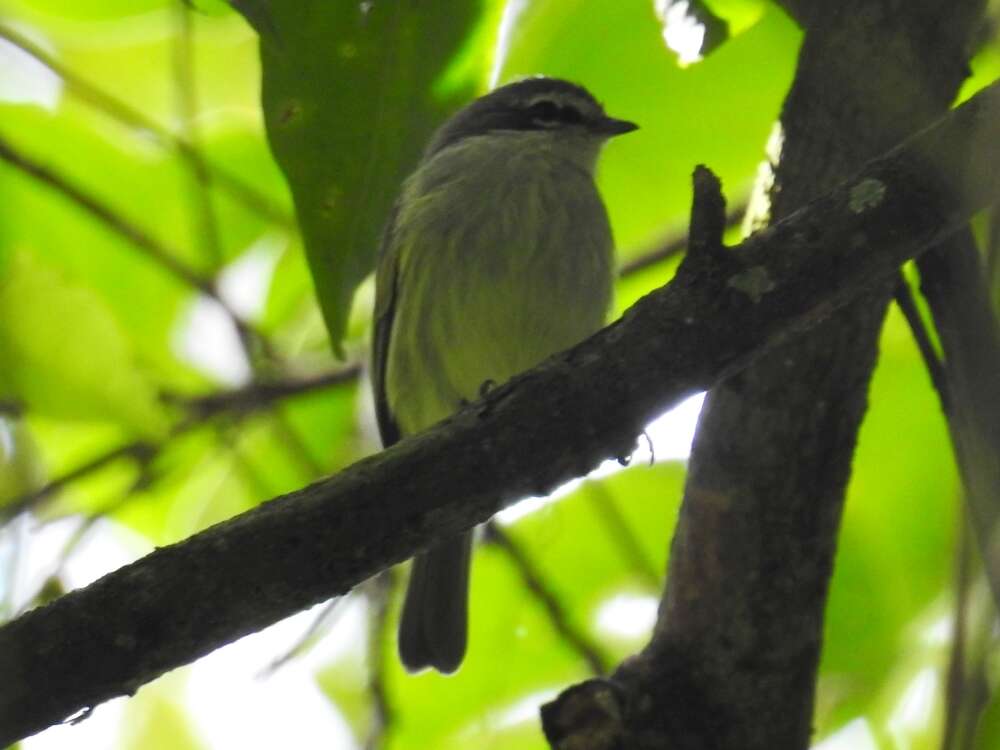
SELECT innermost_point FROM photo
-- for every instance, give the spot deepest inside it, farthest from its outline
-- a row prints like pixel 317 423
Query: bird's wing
pixel 386 274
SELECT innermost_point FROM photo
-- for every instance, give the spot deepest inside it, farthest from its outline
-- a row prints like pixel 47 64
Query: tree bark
pixel 733 658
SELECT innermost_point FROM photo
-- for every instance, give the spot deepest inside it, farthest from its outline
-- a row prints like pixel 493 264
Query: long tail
pixel 432 631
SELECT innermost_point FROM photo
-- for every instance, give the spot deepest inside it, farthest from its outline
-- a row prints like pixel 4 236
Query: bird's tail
pixel 432 630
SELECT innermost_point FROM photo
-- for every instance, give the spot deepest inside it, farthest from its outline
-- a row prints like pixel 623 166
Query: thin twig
pixel 167 259
pixel 935 367
pixel 256 396
pixel 614 523
pixel 249 196
pixel 138 449
pixel 187 106
pixel 237 404
pixel 206 221
pixel 229 438
pixel 956 680
pixel 11 408
pixel 323 623
pixel 295 446
pixel 160 254
pixel 536 584
pixel 379 595
pixel 672 246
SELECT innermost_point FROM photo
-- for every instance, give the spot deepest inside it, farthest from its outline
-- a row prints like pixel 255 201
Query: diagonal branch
pixel 577 640
pixel 249 196
pixel 952 281
pixel 235 403
pixel 921 336
pixel 541 429
pixel 168 259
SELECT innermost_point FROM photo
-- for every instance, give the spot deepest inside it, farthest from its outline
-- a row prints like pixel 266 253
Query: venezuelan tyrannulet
pixel 497 254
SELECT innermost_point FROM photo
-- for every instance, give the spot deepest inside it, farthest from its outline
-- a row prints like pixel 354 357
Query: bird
pixel 497 254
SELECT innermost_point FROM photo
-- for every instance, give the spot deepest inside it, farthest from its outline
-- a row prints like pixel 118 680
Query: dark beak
pixel 611 127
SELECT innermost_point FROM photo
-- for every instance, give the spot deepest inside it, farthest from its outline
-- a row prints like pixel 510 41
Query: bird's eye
pixel 569 113
pixel 545 111
pixel 548 113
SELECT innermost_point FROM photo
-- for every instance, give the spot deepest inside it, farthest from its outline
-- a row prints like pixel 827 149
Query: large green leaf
pixel 350 95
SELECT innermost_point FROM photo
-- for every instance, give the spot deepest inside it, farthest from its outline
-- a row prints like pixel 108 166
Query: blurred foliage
pixel 167 114
pixel 331 72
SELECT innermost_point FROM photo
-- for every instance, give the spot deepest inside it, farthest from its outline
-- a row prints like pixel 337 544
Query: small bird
pixel 497 254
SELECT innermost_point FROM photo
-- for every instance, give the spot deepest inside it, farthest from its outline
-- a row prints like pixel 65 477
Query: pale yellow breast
pixel 505 258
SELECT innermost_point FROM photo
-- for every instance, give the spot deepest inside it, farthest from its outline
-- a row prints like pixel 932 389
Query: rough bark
pixel 732 662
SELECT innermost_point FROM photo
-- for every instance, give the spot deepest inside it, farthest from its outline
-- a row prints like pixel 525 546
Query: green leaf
pixel 65 355
pixel 156 719
pixel 645 176
pixel 896 546
pixel 145 299
pixel 91 10
pixel 350 97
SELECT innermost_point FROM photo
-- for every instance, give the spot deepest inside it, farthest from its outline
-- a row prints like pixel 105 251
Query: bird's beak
pixel 611 127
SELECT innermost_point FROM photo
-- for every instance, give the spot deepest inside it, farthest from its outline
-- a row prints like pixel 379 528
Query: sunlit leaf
pixel 156 720
pixel 21 469
pixel 65 355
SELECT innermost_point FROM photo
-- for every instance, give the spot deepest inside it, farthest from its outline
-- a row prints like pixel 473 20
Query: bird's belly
pixel 500 301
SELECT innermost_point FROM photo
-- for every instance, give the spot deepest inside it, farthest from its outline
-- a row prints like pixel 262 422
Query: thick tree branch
pixel 526 437
pixel 672 246
pixel 735 651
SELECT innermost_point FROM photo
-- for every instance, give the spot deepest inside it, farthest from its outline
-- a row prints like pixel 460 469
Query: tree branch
pixel 616 526
pixel 935 368
pixel 238 403
pixel 953 282
pixel 525 437
pixel 799 10
pixel 243 192
pixel 672 247
pixel 169 260
pixel 735 652
pixel 589 651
